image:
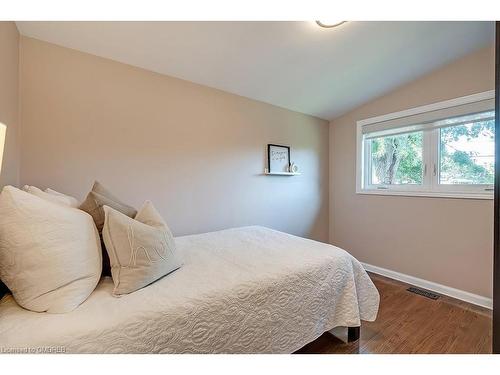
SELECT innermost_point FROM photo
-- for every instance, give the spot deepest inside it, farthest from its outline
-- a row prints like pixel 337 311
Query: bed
pixel 242 290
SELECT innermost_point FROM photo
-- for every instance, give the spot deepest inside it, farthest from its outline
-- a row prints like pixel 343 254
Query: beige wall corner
pixel 447 241
pixel 9 101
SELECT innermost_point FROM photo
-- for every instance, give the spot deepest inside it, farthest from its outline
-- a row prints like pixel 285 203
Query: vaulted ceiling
pixel 295 65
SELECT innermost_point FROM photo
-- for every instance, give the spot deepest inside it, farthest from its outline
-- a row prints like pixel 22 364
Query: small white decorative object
pixel 294 168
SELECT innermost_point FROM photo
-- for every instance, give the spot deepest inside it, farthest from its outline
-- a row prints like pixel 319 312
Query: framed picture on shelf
pixel 278 158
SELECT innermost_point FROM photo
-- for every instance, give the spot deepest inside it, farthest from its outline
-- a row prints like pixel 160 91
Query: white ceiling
pixel 295 65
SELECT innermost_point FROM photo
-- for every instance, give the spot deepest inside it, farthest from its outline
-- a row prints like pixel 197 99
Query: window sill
pixel 429 194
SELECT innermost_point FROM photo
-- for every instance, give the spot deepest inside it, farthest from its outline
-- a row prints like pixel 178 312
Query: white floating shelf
pixel 281 174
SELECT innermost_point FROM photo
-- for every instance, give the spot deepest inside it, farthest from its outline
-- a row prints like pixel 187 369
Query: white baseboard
pixel 434 287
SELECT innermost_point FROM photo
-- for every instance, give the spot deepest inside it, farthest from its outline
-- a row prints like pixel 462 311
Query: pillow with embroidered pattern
pixel 141 250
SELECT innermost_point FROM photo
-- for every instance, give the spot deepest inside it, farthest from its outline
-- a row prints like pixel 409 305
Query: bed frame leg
pixel 353 333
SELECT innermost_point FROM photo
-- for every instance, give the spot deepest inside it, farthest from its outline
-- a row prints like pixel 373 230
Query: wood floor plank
pixel 410 323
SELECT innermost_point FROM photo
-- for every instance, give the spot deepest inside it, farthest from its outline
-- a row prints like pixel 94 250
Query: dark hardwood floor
pixel 410 323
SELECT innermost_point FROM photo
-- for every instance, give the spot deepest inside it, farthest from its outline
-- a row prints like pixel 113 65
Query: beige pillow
pixel 50 255
pixel 73 202
pixel 52 196
pixel 93 204
pixel 97 198
pixel 141 250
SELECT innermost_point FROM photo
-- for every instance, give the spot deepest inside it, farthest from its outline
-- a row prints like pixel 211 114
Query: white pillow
pixel 141 250
pixel 50 255
pixel 52 196
pixel 72 201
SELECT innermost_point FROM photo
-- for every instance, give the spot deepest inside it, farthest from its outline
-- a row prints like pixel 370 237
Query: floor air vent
pixel 423 292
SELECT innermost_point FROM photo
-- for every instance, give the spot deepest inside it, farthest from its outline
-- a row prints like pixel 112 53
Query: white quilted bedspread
pixel 242 290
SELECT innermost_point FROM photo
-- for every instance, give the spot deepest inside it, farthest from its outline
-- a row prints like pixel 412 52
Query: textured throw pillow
pixel 50 255
pixel 72 201
pixel 52 196
pixel 141 250
pixel 93 204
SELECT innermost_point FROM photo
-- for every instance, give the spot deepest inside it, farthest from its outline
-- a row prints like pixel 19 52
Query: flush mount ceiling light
pixel 330 24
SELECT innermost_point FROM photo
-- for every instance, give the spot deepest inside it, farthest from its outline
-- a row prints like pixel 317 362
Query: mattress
pixel 242 290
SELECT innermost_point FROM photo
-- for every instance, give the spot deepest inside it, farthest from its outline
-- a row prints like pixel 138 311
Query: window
pixel 467 152
pixel 396 160
pixel 445 149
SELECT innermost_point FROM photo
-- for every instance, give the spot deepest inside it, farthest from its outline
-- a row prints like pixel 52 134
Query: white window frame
pixel 430 185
